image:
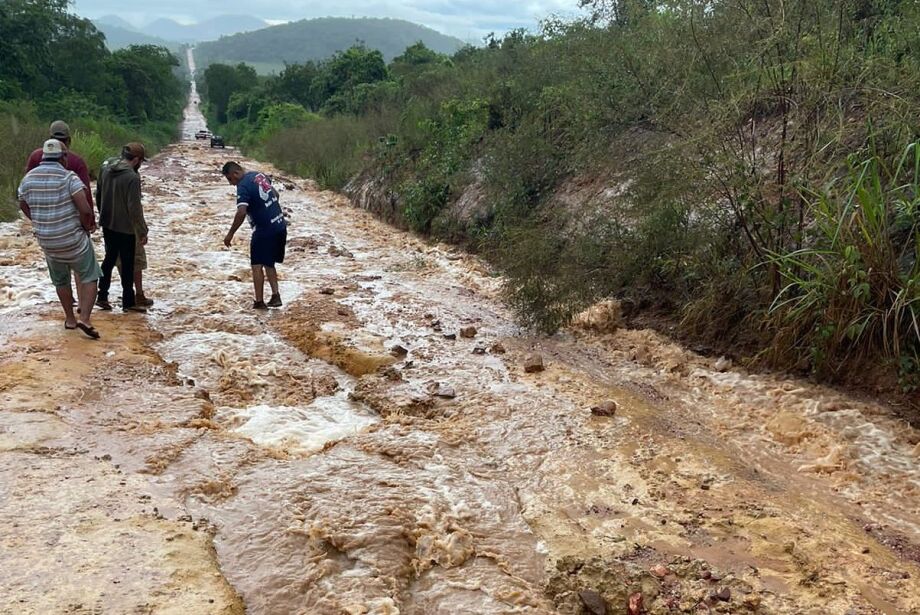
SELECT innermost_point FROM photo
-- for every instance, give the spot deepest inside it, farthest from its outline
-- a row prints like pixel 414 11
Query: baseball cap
pixel 52 149
pixel 135 150
pixel 59 130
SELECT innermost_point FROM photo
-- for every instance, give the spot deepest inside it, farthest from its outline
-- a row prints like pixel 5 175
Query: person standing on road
pixel 72 162
pixel 121 216
pixel 140 254
pixel 53 198
pixel 257 200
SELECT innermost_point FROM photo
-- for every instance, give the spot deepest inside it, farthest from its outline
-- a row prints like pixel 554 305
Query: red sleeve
pixel 78 166
pixel 35 159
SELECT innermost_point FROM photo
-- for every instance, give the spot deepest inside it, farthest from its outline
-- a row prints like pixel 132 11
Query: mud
pixel 354 453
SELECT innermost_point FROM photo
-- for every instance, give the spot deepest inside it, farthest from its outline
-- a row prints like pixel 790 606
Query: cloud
pixel 467 19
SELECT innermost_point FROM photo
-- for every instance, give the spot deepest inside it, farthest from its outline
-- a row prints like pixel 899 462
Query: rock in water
pixel 533 363
pixel 497 348
pixel 608 408
pixel 468 332
pixel 723 364
pixel 399 351
pixel 635 605
pixel 660 571
pixel 593 601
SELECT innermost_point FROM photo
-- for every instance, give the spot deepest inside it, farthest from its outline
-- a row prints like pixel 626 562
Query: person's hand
pixel 144 240
pixel 228 240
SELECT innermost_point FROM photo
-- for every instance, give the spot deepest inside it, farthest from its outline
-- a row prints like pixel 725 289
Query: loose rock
pixel 634 607
pixel 608 409
pixel 468 332
pixel 533 363
pixel 497 348
pixel 436 389
pixel 660 571
pixel 399 351
pixel 593 602
pixel 327 291
pixel 479 350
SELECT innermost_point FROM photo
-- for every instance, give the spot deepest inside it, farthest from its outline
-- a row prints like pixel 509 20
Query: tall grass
pixel 329 150
pixel 21 131
pixel 853 295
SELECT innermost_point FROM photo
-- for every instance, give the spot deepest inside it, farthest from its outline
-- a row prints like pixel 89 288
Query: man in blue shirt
pixel 257 200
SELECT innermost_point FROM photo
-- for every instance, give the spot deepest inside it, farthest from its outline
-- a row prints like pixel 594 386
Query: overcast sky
pixel 466 19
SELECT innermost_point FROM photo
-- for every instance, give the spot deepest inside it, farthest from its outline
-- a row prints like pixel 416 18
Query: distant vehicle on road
pixel 203 134
pixel 217 141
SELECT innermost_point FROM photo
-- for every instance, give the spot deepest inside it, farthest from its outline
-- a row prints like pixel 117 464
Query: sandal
pixel 88 331
pixel 103 304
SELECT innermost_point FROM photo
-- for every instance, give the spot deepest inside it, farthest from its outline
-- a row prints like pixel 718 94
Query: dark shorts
pixel 266 250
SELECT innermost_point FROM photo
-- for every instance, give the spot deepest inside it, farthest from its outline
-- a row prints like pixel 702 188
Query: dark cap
pixel 134 150
pixel 59 130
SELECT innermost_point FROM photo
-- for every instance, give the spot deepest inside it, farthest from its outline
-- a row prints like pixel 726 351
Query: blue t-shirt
pixel 262 205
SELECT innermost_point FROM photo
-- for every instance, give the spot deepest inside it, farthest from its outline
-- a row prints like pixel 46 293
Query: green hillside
pixel 318 39
pixel 119 37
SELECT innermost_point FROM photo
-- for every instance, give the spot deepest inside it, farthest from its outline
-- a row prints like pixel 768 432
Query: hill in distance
pixel 317 39
pixel 207 30
pixel 119 36
pixel 169 33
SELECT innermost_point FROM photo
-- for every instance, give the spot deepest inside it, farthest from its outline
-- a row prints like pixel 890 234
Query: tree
pixel 151 89
pixel 347 70
pixel 222 80
pixel 294 84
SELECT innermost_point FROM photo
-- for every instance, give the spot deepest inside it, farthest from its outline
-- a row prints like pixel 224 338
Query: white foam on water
pixel 303 430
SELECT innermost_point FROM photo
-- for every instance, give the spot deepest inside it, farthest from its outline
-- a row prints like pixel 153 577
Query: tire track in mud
pixel 332 476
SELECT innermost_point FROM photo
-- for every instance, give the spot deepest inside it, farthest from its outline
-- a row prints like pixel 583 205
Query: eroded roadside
pixel 377 446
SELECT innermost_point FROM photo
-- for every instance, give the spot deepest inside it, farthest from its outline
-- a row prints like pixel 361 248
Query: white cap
pixel 52 149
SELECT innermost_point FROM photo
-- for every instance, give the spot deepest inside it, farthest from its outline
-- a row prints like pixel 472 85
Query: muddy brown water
pixel 206 458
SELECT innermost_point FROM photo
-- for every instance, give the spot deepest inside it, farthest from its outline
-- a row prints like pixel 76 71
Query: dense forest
pixel 743 172
pixel 56 66
pixel 313 40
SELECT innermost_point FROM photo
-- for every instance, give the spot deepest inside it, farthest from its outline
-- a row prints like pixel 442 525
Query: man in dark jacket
pixel 121 216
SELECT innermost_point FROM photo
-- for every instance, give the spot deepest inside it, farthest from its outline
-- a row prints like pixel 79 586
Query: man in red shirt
pixel 61 131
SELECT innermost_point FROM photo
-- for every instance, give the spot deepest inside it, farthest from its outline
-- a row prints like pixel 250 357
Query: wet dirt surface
pixel 353 452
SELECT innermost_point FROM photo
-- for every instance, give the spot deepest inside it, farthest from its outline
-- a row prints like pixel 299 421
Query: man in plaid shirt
pixel 53 198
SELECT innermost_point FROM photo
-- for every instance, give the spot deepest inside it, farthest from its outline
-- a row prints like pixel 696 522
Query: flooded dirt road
pixel 376 446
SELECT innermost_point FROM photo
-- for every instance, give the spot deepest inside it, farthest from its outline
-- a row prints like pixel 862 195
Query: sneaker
pixel 275 301
pixel 104 305
pixel 259 305
pixel 144 301
pixel 140 309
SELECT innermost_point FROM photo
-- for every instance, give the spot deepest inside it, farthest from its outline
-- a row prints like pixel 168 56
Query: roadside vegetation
pixel 746 170
pixel 56 66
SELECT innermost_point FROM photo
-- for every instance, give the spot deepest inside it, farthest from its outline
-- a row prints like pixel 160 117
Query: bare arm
pixel 237 222
pixel 25 209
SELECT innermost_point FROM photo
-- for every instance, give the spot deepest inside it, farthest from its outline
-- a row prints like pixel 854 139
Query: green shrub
pixel 853 295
